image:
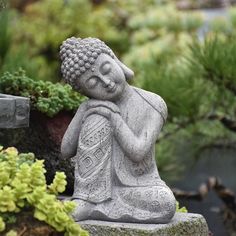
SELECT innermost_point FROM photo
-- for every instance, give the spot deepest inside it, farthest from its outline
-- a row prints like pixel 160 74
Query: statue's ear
pixel 129 74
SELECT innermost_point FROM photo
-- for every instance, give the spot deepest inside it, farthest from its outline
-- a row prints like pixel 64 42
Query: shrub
pixel 46 97
pixel 23 188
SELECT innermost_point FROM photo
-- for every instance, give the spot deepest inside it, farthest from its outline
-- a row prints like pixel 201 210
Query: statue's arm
pixel 136 147
pixel 70 138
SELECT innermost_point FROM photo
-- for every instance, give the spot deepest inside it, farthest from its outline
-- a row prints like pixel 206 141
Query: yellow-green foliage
pixel 23 185
pixel 180 209
pixel 48 23
pixel 11 233
pixel 121 24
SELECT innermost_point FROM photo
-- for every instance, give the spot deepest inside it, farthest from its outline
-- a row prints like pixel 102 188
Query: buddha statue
pixel 112 139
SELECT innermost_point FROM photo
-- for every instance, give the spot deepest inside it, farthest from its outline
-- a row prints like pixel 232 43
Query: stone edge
pixel 183 224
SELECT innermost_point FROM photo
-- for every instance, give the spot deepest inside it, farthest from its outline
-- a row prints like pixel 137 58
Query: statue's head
pixel 91 68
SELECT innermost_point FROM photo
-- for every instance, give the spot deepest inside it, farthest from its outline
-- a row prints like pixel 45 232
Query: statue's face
pixel 105 80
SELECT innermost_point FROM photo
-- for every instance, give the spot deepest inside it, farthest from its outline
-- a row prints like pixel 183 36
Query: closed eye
pixel 91 82
pixel 105 68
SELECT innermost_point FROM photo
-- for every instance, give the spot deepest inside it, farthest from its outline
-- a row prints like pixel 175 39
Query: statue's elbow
pixel 138 154
pixel 66 151
pixel 138 151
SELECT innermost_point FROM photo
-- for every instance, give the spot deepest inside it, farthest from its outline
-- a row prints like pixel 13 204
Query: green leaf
pixel 40 215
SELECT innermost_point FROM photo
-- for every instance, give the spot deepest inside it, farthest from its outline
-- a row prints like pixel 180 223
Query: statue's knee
pixel 164 203
pixel 168 203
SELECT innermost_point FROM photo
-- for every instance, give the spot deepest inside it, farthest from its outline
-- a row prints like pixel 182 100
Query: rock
pixel 14 111
pixel 183 224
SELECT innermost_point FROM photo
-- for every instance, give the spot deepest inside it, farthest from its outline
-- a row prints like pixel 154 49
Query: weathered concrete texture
pixel 111 139
pixel 183 224
pixel 14 111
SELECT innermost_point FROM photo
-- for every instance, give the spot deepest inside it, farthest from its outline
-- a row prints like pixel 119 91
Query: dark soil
pixel 27 225
pixel 43 138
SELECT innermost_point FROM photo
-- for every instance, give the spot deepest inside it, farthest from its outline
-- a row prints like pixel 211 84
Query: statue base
pixel 183 224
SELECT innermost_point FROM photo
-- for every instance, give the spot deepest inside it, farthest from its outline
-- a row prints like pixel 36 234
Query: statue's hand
pixel 103 111
pixel 92 103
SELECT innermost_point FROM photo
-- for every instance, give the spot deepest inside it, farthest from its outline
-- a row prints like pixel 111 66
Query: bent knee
pixel 168 200
pixel 165 203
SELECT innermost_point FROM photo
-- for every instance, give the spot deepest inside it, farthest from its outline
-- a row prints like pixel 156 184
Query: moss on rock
pixel 183 224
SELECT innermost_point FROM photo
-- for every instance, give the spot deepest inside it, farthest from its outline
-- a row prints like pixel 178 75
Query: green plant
pixel 11 233
pixel 23 188
pixel 119 23
pixel 215 60
pixel 45 96
pixel 198 84
pixel 180 209
pixel 169 166
pixel 5 36
pixel 11 56
pixel 48 23
pixel 151 37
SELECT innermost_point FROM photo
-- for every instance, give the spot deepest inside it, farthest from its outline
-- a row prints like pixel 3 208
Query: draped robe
pixel 105 175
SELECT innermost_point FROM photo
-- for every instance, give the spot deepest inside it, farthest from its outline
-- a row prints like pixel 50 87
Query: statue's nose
pixel 106 82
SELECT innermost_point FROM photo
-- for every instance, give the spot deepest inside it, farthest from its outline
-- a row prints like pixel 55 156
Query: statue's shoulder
pixel 83 105
pixel 154 100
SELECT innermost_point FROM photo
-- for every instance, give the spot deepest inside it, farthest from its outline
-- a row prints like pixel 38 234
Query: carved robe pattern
pixel 125 190
pixel 93 160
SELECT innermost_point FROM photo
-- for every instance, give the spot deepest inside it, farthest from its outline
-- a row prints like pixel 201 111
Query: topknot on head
pixel 78 55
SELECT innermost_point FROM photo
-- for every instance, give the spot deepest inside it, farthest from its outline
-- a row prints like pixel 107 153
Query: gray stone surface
pixel 111 139
pixel 183 224
pixel 14 111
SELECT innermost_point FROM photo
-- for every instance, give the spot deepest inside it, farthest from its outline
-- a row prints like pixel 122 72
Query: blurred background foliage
pixel 162 44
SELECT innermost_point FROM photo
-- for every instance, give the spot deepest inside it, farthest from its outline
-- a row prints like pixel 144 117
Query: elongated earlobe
pixel 129 74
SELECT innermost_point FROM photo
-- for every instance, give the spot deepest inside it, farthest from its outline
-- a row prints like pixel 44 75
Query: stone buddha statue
pixel 112 139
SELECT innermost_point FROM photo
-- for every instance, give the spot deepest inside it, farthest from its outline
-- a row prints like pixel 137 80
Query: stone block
pixel 183 224
pixel 14 111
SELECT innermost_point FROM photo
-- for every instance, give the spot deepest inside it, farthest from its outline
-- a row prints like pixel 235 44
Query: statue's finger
pixel 98 110
pixel 113 107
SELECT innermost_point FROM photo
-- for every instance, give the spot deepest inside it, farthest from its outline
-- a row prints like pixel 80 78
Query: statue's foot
pixel 151 204
pixel 83 210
